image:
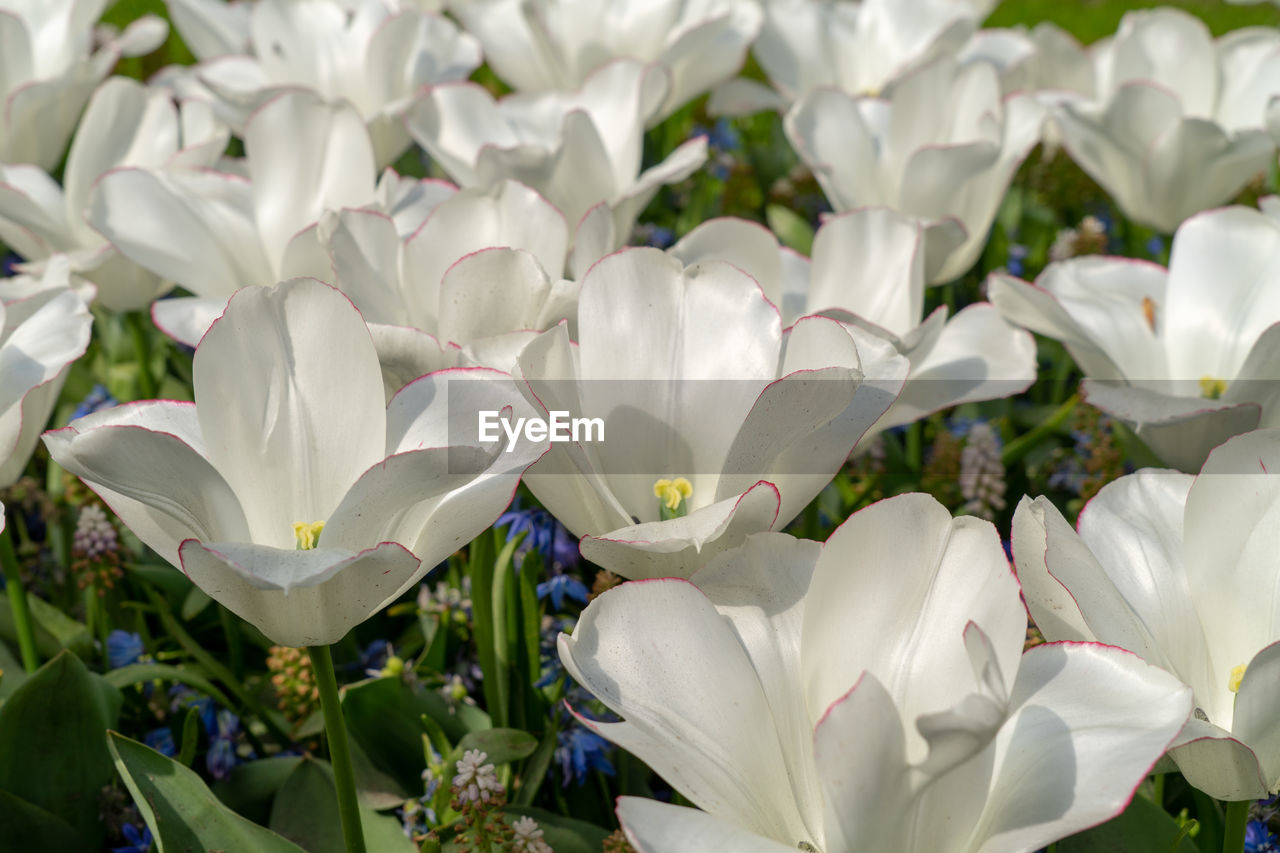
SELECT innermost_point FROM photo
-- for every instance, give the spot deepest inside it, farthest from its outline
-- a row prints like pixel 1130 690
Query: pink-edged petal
pixel 404 354
pixel 1180 427
pixel 1222 766
pixel 693 704
pixel 1038 528
pixel 291 403
pixel 931 575
pixel 747 245
pixel 680 546
pixel 193 228
pixel 298 598
pixel 861 759
pixel 1086 723
pixel 305 156
pixel 492 292
pixel 1257 705
pixel 187 318
pixel 161 486
pixel 654 827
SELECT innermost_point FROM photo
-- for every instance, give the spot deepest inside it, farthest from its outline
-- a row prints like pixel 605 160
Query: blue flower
pixel 1259 839
pixel 99 398
pixel 558 586
pixel 222 747
pixel 579 751
pixel 139 840
pixel 161 740
pixel 123 648
pixel 7 263
pixel 1155 246
pixel 185 697
pixel 1017 254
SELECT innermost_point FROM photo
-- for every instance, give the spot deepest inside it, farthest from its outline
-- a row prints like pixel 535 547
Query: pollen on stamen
pixel 1212 389
pixel 308 535
pixel 673 492
pixel 1237 676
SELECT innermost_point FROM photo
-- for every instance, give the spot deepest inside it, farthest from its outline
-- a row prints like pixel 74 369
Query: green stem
pixel 142 349
pixel 17 594
pixel 914 447
pixel 339 751
pixel 1016 449
pixel 1236 824
pixel 1157 792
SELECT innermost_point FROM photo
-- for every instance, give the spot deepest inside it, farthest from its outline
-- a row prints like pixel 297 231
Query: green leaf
pixel 536 770
pixel 790 227
pixel 252 786
pixel 190 737
pixel 306 811
pixel 383 716
pixel 195 603
pixel 502 746
pixel 54 630
pixel 24 826
pixel 184 816
pixel 14 674
pixel 51 748
pixel 1144 827
pixel 141 673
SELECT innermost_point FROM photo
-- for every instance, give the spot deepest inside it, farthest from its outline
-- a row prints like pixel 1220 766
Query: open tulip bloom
pixel 1181 570
pixel 1188 356
pixel 577 148
pixel 291 492
pixel 1172 101
pixel 717 422
pixel 941 145
pixel 550 45
pixel 125 125
pixel 374 54
pixel 50 68
pixel 869 694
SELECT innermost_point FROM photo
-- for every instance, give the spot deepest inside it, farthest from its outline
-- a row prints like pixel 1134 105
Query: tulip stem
pixel 142 350
pixel 339 750
pixel 18 602
pixel 1016 449
pixel 1236 826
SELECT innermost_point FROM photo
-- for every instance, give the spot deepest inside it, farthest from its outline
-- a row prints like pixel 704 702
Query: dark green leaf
pixel 502 746
pixel 52 752
pixel 790 227
pixel 1143 828
pixel 141 673
pixel 183 814
pixel 306 812
pixel 27 827
pixel 253 785
pixel 54 630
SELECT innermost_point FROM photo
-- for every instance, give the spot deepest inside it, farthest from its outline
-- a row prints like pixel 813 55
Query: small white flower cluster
pixel 528 837
pixel 94 536
pixel 1090 238
pixel 475 780
pixel 982 473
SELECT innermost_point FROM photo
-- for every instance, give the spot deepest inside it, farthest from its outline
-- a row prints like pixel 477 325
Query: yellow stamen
pixel 307 534
pixel 1212 389
pixel 1149 312
pixel 673 492
pixel 1237 676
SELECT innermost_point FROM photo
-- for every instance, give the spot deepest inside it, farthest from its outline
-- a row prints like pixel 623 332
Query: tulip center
pixel 1237 676
pixel 674 495
pixel 308 535
pixel 1212 389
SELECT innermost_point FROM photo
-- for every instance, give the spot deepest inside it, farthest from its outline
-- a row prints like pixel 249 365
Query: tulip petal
pixel 1214 761
pixel 1257 704
pixel 721 754
pixel 681 546
pixel 654 827
pixel 186 318
pixel 292 404
pixel 298 598
pixel 147 463
pixel 931 575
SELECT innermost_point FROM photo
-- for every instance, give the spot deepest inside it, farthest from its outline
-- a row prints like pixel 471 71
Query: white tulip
pixel 44 328
pixel 374 54
pixel 1186 356
pixel 126 125
pixel 51 66
pixel 717 423
pixel 576 148
pixel 290 439
pixel 942 147
pixel 867 694
pixel 1172 101
pixel 549 45
pixel 1181 571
